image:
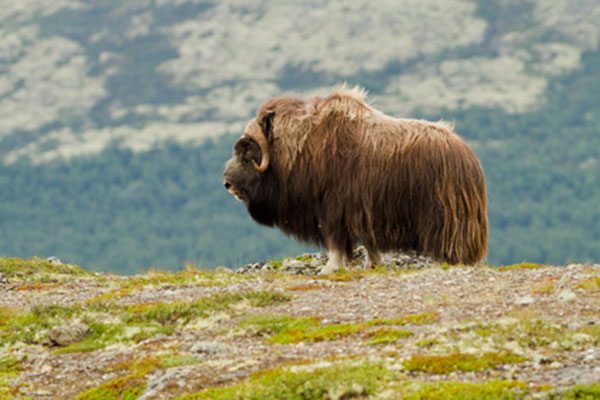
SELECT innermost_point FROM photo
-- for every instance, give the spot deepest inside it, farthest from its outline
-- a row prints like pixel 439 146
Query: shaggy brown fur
pixel 340 172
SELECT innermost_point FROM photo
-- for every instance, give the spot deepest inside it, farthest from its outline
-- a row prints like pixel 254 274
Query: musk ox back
pixel 333 171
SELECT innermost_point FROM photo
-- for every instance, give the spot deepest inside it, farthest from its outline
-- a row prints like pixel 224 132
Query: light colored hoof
pixel 372 259
pixel 328 269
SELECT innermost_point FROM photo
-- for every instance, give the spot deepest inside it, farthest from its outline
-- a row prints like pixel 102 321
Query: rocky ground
pixel 409 329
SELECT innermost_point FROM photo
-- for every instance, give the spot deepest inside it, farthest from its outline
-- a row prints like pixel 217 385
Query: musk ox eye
pixel 247 150
pixel 240 146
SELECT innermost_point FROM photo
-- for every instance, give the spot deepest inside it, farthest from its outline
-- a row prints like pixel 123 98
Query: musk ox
pixel 333 171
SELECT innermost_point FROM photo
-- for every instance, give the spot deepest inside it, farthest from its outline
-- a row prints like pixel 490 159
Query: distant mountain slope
pixel 76 76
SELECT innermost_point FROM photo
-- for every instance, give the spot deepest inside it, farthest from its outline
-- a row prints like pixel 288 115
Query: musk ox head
pixel 248 166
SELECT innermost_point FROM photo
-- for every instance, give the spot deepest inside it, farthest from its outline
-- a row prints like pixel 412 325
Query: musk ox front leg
pixel 338 252
pixel 337 259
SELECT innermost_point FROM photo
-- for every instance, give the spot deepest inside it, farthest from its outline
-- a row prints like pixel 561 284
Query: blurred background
pixel 116 117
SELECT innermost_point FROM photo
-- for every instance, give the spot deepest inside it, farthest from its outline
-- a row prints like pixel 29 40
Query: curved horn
pixel 261 140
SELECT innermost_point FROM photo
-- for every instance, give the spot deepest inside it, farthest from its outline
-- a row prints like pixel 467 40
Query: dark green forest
pixel 125 211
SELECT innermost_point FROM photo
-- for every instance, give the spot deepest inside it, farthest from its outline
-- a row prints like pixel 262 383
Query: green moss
pixel 483 332
pixel 283 329
pixel 579 392
pixel 310 330
pixel 36 269
pixel 128 387
pixel 269 325
pixel 504 390
pixel 414 319
pixel 103 334
pixel 178 361
pixel 386 335
pixel 446 364
pixel 339 381
pixel 10 368
pixel 276 263
pixel 523 265
pixel 8 315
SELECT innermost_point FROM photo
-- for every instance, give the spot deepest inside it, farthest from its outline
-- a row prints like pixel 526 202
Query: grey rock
pixel 54 260
pixel 267 267
pixel 315 261
pixel 524 301
pixel 249 268
pixel 291 263
pixel 155 384
pixel 298 267
pixel 68 334
pixel 590 355
pixel 566 295
pixel 208 348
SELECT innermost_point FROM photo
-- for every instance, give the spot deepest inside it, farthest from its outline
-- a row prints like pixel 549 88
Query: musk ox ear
pixel 266 124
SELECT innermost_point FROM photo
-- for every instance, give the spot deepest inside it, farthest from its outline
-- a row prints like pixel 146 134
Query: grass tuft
pixel 413 319
pixel 386 335
pixel 284 330
pixel 591 391
pixel 128 387
pixel 523 265
pixel 590 285
pixel 36 269
pixel 501 390
pixel 10 368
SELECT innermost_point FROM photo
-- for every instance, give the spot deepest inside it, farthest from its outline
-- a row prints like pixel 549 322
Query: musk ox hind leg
pixel 373 258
